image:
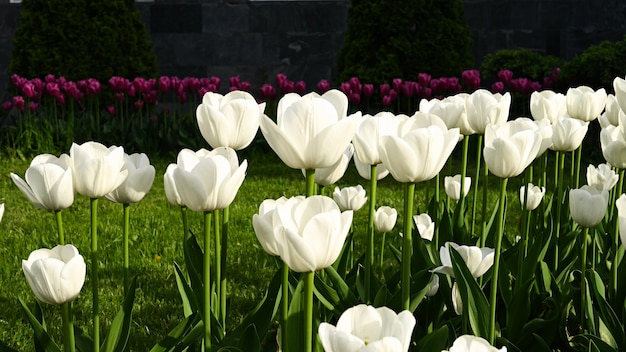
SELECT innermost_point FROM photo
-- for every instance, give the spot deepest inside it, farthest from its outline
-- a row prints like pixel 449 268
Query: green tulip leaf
pixel 175 336
pixel 119 332
pixel 84 342
pixel 475 303
pixel 5 348
pixel 340 286
pixel 194 260
pixel 435 341
pixel 591 343
pixel 190 304
pixel 41 335
pixel 326 295
pixel 295 320
pixel 607 314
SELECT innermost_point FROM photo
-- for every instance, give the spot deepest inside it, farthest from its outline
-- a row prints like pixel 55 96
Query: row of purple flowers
pixel 29 93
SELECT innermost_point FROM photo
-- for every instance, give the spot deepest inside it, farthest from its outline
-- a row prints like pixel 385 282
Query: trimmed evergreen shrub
pixel 389 39
pixel 82 39
pixel 523 63
pixel 597 66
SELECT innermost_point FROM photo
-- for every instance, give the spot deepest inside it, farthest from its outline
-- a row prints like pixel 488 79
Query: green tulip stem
pixel 284 305
pixel 59 220
pixel 224 220
pixel 207 280
pixel 558 171
pixel 616 239
pixel 218 261
pixel 461 218
pixel 525 222
pixel 369 258
pixel 579 153
pixel 94 275
pixel 126 208
pixel 485 216
pixel 407 246
pixel 183 213
pixel 310 182
pixel 476 177
pixel 496 261
pixel 69 344
pixel 583 278
pixel 309 284
pixel 382 251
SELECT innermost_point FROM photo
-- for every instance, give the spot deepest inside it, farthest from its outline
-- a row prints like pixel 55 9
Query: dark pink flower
pixel 267 91
pixel 384 89
pixel 7 105
pixel 212 87
pixel 355 85
pixel 408 88
pixel 497 87
pixel 164 84
pixel 28 89
pixel 423 79
pixel 323 86
pixel 50 78
pixel 120 97
pixel 397 84
pixel 300 87
pixel 216 82
pixel 245 86
pixel 286 86
pixel 280 77
pixel 234 82
pixel 52 88
pixel 505 76
pixel 32 106
pixel 118 84
pixel 368 89
pixel 354 98
pixel 139 104
pixel 17 81
pixel 150 97
pixel 471 78
pixel 60 98
pixel 111 110
pixel 345 88
pixel 18 102
pixel 191 84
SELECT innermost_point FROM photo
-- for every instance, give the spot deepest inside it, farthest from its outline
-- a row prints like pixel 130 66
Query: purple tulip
pixel 234 81
pixel 111 110
pixel 28 89
pixel 18 102
pixel 368 89
pixel 505 76
pixel 397 84
pixel 384 89
pixel 245 86
pixel 7 105
pixel 497 87
pixel 267 91
pixel 164 84
pixel 355 85
pixel 471 78
pixel 300 87
pixel 32 106
pixel 323 86
pixel 424 79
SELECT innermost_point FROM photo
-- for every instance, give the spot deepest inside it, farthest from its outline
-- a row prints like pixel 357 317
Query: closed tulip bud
pixel 588 205
pixel 385 218
pixel 478 260
pixel 547 105
pixel 350 198
pixel 55 275
pixel 452 185
pixel 231 120
pixel 485 108
pixel 457 301
pixel 206 181
pixel 602 177
pixel 425 226
pixel 535 195
pixel 584 103
pixel 137 183
pixel 96 169
pixel 309 233
pixel 469 343
pixel 364 327
pixel 49 183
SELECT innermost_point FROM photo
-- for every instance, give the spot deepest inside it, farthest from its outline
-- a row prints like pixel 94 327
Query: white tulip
pixel 535 195
pixel 425 226
pixel 602 177
pixel 584 103
pixel 469 343
pixel 96 169
pixel 588 205
pixel 138 182
pixel 478 260
pixel 350 198
pixel 452 185
pixel 49 184
pixel 385 218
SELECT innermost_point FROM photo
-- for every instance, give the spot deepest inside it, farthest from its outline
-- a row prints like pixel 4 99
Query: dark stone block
pixel 306 17
pixel 235 49
pixel 9 19
pixel 225 18
pixel 176 18
pixel 182 49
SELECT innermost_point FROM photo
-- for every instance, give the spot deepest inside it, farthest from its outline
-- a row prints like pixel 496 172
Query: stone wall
pixel 258 39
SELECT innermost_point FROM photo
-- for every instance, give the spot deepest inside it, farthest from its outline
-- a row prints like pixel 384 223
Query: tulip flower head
pixel 588 205
pixel 332 174
pixel 485 108
pixel 568 134
pixel 203 180
pixel 535 195
pixel 547 105
pixel 425 226
pixel 55 275
pixel 457 301
pixel 418 152
pixel 231 120
pixel 613 143
pixel 612 112
pixel 602 177
pixel 368 136
pixel 470 343
pixel 49 184
pixel 385 218
pixel 350 198
pixel 308 233
pixel 478 260
pixel 138 182
pixel 96 169
pixel 452 185
pixel 510 148
pixel 584 103
pixel 365 170
pixel 433 287
pixel 380 329
pixel 312 131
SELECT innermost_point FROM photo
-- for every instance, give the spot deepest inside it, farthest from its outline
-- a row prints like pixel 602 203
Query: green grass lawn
pixel 156 244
